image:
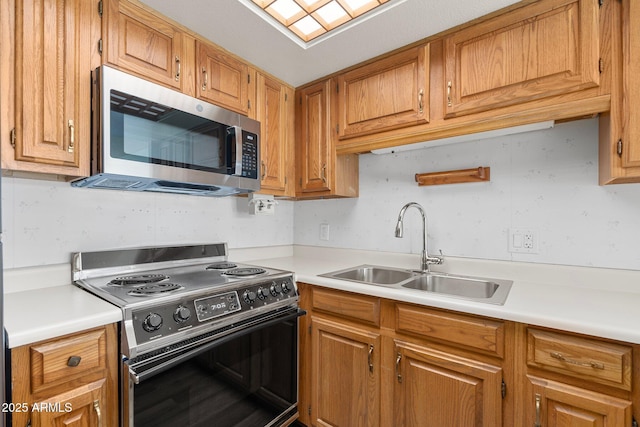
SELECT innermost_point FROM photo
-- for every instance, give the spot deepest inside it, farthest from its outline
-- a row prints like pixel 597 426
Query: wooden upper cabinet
pixel 314 139
pixel 274 109
pixel 619 128
pixel 54 47
pixel 144 44
pixel 221 78
pixel 386 94
pixel 545 49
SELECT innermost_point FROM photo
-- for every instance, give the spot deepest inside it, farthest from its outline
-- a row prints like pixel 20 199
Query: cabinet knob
pixel 74 361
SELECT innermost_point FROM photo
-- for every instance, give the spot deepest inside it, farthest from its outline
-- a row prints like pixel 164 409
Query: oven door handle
pixel 137 374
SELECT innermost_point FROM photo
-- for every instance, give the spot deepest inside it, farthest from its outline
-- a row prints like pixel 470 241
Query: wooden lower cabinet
pixel 554 404
pixel 82 407
pixel 368 361
pixel 345 377
pixel 67 381
pixel 433 388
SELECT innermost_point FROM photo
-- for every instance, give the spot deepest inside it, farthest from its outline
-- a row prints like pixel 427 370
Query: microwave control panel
pixel 250 155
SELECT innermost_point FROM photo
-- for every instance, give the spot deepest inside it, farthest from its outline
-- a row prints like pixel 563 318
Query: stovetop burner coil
pixel 155 289
pixel 138 279
pixel 221 265
pixel 245 271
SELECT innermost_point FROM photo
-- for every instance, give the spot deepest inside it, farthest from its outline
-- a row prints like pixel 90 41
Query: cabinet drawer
pixel 68 358
pixel 480 334
pixel 580 357
pixel 359 307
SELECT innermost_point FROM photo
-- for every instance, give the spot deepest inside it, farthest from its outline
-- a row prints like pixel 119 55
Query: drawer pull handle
pixel 370 358
pixel 96 407
pixel 72 136
pixel 205 82
pixel 561 357
pixel 538 404
pixel 74 361
pixel 398 375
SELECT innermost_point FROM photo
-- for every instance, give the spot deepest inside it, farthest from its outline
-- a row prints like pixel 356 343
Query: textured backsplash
pixel 544 180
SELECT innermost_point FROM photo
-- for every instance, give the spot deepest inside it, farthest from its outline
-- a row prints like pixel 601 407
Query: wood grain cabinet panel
pixel 74 379
pixel 85 406
pixel 581 357
pixel 553 404
pixel 144 44
pixel 545 49
pixel 221 78
pixel 274 109
pixel 320 172
pixel 386 94
pixel 345 378
pixel 47 119
pixel 619 152
pixel 438 389
pixel 479 334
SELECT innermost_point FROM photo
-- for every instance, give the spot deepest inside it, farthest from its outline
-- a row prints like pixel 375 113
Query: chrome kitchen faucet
pixel 426 260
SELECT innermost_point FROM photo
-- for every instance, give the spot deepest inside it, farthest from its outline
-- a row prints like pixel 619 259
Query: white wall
pixel 44 221
pixel 546 180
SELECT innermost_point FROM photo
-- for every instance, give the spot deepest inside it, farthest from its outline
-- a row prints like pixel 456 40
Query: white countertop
pixel 594 301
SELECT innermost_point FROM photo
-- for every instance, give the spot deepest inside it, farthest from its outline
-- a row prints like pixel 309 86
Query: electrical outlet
pixel 523 240
pixel 324 231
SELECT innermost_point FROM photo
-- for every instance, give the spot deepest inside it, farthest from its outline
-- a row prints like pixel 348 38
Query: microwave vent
pixel 134 106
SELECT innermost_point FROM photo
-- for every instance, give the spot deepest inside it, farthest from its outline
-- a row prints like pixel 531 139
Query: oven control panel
pixel 217 305
pixel 162 320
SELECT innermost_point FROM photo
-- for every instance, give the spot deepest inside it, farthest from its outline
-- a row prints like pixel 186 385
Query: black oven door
pixel 248 377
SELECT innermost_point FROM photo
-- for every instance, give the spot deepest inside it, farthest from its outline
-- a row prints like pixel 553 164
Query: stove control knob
pixel 182 314
pixel 286 288
pixel 153 322
pixel 276 288
pixel 263 293
pixel 249 296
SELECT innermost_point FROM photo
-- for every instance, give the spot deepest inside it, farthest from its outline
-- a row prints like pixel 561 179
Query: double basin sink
pixel 492 291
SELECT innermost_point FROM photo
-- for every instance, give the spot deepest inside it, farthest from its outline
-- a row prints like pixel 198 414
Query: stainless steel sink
pixel 372 274
pixel 492 291
pixel 474 288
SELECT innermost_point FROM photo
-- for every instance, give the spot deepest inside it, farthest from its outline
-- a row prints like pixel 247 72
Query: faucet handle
pixel 435 260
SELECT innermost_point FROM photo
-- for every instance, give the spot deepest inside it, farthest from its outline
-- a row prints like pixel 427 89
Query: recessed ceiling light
pixel 310 19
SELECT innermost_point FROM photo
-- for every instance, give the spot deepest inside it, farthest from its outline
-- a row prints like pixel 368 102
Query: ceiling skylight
pixel 310 19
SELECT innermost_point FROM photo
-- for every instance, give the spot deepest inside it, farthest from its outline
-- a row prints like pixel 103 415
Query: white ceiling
pixel 235 27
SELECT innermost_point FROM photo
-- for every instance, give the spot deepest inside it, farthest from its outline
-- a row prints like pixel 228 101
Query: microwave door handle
pixel 238 137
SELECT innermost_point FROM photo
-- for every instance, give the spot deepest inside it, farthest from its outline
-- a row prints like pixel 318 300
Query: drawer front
pixel 580 357
pixel 359 307
pixel 68 358
pixel 480 334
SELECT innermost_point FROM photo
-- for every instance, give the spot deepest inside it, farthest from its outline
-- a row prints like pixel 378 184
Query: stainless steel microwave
pixel 147 137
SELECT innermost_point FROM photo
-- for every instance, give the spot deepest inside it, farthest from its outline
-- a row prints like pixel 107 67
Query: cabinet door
pixel 221 79
pixel 552 404
pixel 436 389
pixel 142 43
pixel 275 113
pixel 345 378
pixel 548 48
pixel 631 88
pixel 54 45
pixel 387 94
pixel 81 407
pixel 315 138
